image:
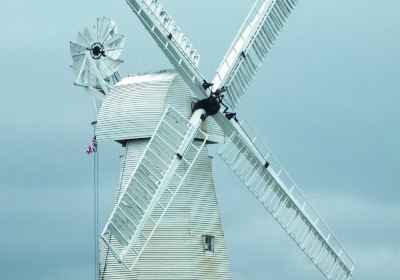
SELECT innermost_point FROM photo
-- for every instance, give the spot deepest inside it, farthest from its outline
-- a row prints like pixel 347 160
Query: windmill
pixel 96 57
pixel 165 222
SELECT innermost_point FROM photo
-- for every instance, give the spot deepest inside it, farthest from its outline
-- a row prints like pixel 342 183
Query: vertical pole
pixel 96 196
pixel 95 208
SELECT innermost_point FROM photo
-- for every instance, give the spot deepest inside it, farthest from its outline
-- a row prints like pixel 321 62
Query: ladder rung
pixel 145 189
pixel 151 170
pixel 319 250
pixel 178 176
pixel 282 205
pixel 118 231
pixel 132 211
pixel 194 147
pixel 144 236
pixel 144 181
pixel 162 206
pixel 174 129
pixel 311 231
pixel 127 216
pixel 169 190
pixel 267 194
pixel 152 220
pixel 156 156
pixel 331 269
pixel 245 168
pixel 172 137
pixel 135 202
pixel 182 158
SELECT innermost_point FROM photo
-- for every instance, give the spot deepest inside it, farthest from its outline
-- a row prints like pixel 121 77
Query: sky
pixel 326 101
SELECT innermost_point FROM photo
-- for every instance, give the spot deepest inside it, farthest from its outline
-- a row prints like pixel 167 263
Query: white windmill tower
pixel 165 223
pixel 130 114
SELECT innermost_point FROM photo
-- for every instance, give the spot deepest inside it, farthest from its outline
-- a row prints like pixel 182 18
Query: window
pixel 208 243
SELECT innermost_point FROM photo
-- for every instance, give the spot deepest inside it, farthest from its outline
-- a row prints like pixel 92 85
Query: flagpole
pixel 95 206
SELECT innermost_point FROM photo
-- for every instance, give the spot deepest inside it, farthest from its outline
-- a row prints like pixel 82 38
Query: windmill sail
pixel 177 48
pixel 152 13
pixel 251 46
pixel 280 196
pixel 148 195
pixel 304 227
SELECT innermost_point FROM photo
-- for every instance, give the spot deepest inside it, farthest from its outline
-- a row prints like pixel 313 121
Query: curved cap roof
pixel 135 105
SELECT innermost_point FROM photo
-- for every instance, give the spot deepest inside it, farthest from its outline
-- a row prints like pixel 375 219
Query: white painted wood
pixel 136 104
pixel 176 250
pixel 251 46
pixel 279 195
pixel 96 57
pixel 140 205
pixel 191 75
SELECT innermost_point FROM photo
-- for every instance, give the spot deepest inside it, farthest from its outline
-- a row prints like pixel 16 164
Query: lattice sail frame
pixel 139 210
pixel 263 178
pixel 277 192
pixel 251 46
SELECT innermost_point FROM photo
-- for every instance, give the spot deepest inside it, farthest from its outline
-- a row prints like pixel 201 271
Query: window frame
pixel 208 247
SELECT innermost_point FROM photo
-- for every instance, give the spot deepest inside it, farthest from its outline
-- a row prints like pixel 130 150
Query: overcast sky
pixel 326 101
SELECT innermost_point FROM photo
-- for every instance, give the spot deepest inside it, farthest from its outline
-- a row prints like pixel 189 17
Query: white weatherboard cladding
pixel 176 249
pixel 135 106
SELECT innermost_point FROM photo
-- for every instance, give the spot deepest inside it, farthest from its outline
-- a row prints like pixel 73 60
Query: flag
pixel 92 147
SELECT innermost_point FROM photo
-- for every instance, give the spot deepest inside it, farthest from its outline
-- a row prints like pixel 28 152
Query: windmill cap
pixel 136 104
